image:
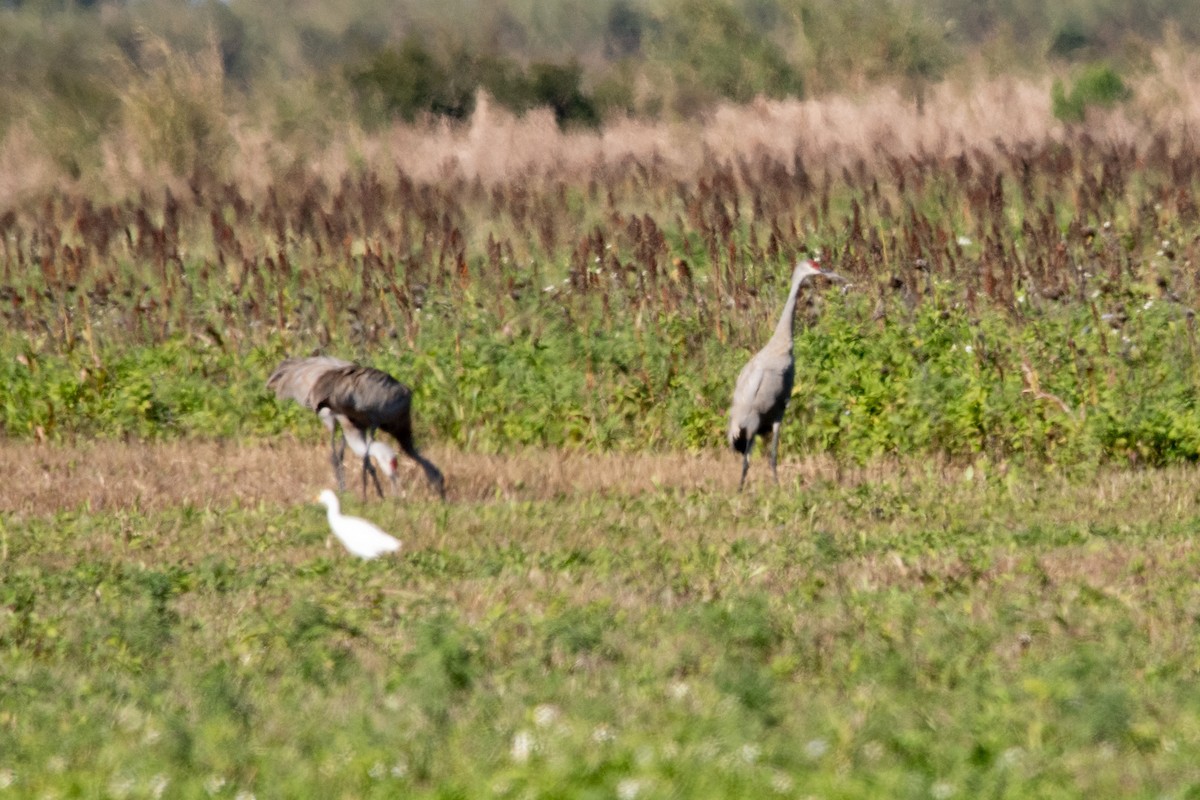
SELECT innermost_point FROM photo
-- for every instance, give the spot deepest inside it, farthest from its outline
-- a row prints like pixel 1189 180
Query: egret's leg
pixel 337 448
pixel 775 450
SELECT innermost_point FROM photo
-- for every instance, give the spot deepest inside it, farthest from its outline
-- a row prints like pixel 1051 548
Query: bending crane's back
pixel 372 399
pixel 295 378
pixel 368 397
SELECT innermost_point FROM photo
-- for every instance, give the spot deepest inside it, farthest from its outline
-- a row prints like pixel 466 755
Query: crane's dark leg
pixel 775 450
pixel 337 448
pixel 746 462
pixel 369 468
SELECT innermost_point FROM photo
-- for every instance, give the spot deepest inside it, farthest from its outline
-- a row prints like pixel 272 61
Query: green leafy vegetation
pixel 923 633
pixel 410 80
pixel 1098 85
pixel 1030 304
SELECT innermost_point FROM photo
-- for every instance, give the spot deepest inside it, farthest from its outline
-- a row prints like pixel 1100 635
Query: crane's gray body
pixel 764 386
pixel 373 400
pixel 761 395
pixel 294 379
pixel 360 400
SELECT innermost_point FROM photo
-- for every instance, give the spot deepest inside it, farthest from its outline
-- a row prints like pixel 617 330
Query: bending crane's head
pixel 389 462
pixel 389 467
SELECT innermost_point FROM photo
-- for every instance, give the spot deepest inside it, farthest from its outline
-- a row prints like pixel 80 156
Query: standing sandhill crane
pixel 294 379
pixel 764 385
pixel 370 400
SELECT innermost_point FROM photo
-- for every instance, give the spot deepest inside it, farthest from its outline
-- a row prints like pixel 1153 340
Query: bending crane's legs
pixel 366 461
pixel 337 448
pixel 775 450
pixel 369 468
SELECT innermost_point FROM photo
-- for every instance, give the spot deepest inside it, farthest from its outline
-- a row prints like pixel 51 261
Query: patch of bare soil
pixel 42 479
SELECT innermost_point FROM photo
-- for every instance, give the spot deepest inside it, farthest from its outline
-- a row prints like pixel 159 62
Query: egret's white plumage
pixel 360 537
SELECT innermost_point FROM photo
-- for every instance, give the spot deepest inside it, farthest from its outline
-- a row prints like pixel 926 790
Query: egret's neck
pixel 333 509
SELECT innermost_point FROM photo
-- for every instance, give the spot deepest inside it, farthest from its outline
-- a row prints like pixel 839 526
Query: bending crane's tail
pixel 740 440
pixel 403 435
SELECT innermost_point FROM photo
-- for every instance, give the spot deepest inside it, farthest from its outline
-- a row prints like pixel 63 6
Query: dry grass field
pixel 176 621
pixel 104 476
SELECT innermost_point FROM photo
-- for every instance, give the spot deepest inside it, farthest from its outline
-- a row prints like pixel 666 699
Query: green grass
pixel 919 634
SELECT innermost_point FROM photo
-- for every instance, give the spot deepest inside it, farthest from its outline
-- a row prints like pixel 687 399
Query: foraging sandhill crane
pixel 294 379
pixel 370 400
pixel 764 385
pixel 364 539
pixel 358 399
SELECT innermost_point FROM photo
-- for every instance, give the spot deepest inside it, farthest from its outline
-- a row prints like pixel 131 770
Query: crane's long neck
pixel 783 329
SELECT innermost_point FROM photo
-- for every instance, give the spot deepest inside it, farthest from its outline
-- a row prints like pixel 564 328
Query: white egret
pixel 360 537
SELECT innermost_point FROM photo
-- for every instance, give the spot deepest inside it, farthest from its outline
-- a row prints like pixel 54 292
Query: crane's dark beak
pixel 833 276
